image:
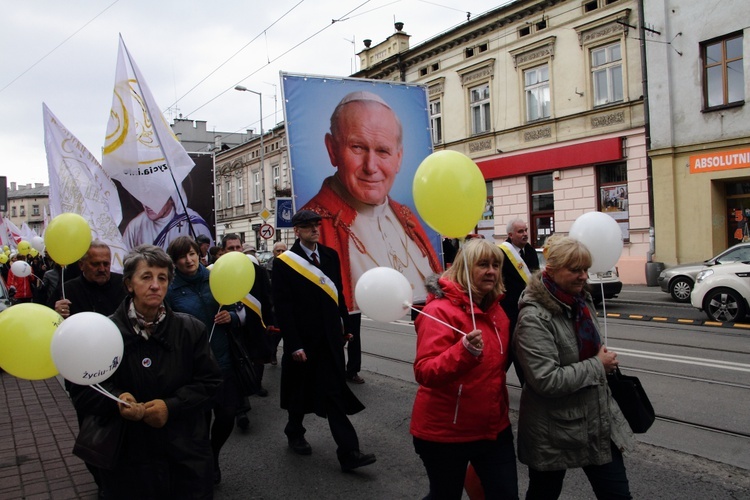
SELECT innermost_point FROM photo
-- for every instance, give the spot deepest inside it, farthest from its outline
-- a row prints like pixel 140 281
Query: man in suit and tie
pixel 519 263
pixel 314 322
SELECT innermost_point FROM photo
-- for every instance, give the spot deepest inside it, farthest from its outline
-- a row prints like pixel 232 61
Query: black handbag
pixel 242 367
pixel 99 440
pixel 632 400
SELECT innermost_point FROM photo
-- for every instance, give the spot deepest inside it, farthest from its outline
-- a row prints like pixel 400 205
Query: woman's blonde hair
pixel 476 250
pixel 564 252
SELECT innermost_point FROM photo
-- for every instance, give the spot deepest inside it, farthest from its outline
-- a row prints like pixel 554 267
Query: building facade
pixel 700 127
pixel 547 97
pixel 249 178
pixel 28 204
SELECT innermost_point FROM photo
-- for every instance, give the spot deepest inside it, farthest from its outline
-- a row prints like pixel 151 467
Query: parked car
pixel 263 256
pixel 678 281
pixel 723 292
pixel 610 281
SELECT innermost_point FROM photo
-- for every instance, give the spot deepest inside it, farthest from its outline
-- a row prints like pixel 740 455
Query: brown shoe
pixel 355 379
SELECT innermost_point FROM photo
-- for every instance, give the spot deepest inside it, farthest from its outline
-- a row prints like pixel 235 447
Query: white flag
pixel 6 238
pixel 26 232
pixel 141 151
pixel 78 184
pixel 13 232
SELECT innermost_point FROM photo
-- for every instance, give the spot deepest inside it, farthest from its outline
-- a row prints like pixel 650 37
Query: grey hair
pixel 151 255
pixel 509 227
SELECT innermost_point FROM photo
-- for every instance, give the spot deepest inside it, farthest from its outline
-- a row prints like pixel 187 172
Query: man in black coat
pixel 519 263
pixel 96 289
pixel 314 322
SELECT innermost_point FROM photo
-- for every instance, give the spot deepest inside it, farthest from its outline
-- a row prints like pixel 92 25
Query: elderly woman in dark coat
pixel 168 375
pixel 567 417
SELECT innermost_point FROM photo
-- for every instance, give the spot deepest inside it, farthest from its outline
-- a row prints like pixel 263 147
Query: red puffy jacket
pixel 461 397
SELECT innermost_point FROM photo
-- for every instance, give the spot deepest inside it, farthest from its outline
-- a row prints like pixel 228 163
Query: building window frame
pixel 22 211
pixel 480 108
pixel 256 186
pixel 542 208
pixel 607 73
pixel 240 191
pixel 13 211
pixel 436 121
pixel 612 180
pixel 35 210
pixel 228 191
pixel 537 93
pixel 722 61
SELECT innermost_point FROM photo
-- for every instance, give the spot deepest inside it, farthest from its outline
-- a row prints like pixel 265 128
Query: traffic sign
pixel 266 231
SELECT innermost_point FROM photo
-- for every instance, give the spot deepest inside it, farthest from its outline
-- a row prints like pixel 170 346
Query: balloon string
pixel 211 335
pixel 468 281
pixel 604 312
pixel 62 280
pixel 438 320
pixel 101 390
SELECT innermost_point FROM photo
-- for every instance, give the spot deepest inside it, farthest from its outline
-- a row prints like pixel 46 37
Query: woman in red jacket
pixel 23 286
pixel 460 413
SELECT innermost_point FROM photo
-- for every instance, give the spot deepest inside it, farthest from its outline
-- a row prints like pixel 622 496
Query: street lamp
pixel 262 152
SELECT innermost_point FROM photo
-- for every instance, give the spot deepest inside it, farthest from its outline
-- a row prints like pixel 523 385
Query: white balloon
pixel 87 348
pixel 37 243
pixel 21 268
pixel 602 236
pixel 253 259
pixel 383 294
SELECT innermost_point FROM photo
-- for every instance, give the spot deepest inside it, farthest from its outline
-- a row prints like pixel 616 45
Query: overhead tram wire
pixel 58 46
pixel 333 21
pixel 235 54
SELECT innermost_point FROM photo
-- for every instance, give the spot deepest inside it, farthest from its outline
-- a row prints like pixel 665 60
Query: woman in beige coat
pixel 567 418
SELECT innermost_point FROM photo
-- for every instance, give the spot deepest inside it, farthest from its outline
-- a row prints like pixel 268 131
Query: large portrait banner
pixel 354 147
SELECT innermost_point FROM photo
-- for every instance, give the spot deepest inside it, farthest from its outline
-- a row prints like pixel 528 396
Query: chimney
pixel 399 26
pixel 12 186
pixel 38 184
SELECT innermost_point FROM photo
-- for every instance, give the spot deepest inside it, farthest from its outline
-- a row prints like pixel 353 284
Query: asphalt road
pixel 671 461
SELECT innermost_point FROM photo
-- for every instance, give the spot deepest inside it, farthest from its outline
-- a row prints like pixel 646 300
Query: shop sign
pixel 723 160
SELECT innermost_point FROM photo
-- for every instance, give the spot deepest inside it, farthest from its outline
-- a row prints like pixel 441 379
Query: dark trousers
pixel 494 462
pixel 609 481
pixel 342 429
pixel 354 346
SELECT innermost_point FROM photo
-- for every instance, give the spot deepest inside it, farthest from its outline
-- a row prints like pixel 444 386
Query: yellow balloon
pixel 231 278
pixel 449 193
pixel 24 247
pixel 25 338
pixel 3 258
pixel 67 238
pixel 6 248
pixel 7 251
pixel 33 252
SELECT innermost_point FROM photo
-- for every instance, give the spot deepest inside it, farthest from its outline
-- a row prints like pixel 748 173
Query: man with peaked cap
pixel 314 321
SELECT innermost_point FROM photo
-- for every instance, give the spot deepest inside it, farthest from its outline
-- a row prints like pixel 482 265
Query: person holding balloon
pixel 167 377
pixel 21 281
pixel 190 293
pixel 567 417
pixel 460 413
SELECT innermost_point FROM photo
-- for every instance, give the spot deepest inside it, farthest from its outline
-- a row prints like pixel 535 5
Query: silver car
pixel 678 281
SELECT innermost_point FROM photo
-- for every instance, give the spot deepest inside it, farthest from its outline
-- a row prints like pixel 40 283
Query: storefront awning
pixel 554 158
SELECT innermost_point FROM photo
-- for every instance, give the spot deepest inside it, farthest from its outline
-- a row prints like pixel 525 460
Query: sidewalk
pixel 37 429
